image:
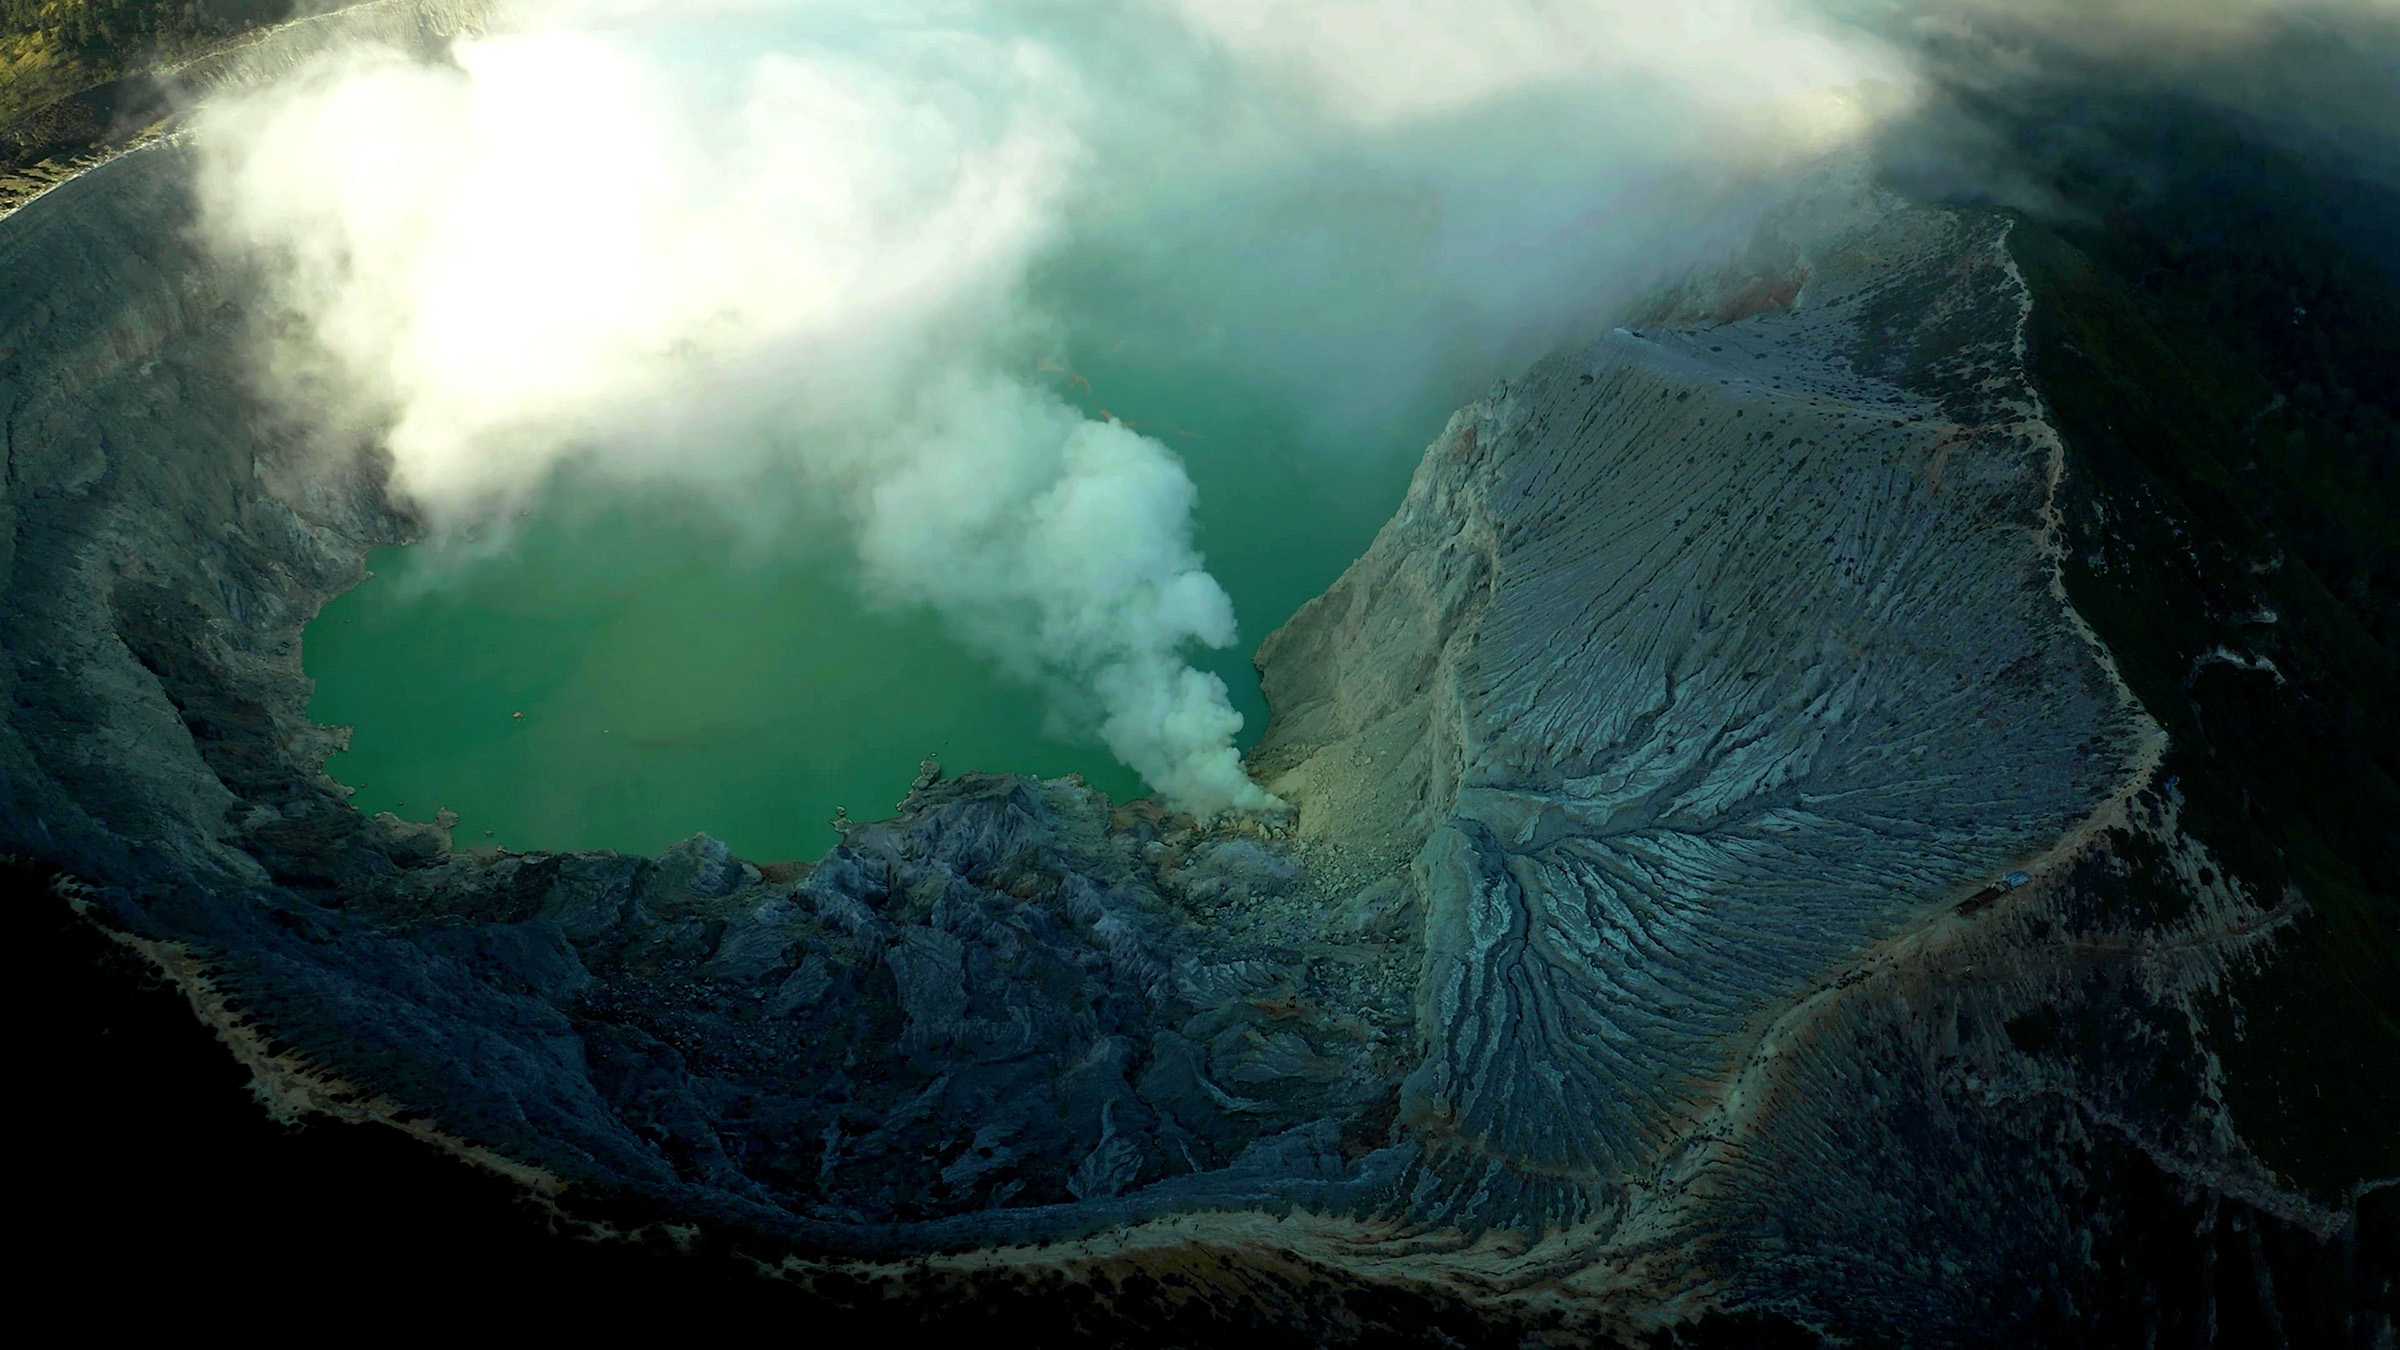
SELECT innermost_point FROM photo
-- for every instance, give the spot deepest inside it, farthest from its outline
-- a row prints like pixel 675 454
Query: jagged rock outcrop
pixel 1009 1013
pixel 1628 956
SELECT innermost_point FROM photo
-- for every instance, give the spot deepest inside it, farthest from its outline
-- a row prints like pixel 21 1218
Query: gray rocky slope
pixel 1630 953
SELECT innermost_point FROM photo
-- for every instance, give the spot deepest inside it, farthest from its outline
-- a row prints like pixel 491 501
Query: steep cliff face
pixel 1637 949
pixel 1703 662
pixel 156 582
pixel 1772 812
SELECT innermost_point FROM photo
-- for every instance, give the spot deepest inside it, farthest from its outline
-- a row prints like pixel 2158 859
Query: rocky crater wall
pixel 1633 951
pixel 1012 1012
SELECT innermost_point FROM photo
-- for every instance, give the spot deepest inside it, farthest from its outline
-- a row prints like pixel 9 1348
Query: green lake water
pixel 630 670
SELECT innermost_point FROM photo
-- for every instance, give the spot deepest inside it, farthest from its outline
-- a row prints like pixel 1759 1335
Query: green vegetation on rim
pixel 2218 347
pixel 51 49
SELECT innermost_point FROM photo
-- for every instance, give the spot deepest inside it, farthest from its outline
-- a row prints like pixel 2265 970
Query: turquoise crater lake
pixel 631 669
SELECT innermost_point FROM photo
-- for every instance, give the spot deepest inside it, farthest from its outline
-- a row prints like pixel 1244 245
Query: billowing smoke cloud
pixel 1380 62
pixel 573 241
pixel 711 242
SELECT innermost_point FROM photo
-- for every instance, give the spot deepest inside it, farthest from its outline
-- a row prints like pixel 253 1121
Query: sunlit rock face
pixel 1700 661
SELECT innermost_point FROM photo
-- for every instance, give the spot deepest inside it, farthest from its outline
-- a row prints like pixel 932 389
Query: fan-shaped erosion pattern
pixel 1636 948
pixel 1703 661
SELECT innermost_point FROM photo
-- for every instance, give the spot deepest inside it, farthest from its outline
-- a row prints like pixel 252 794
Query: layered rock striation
pixel 1702 661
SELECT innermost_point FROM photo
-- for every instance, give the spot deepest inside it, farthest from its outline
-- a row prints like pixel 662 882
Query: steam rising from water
pixel 728 242
pixel 565 244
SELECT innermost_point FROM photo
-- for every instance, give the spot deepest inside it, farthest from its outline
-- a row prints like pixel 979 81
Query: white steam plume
pixel 709 241
pixel 569 243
